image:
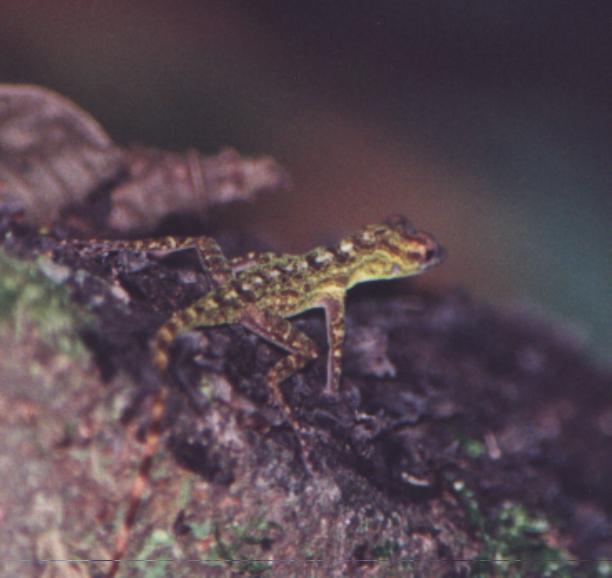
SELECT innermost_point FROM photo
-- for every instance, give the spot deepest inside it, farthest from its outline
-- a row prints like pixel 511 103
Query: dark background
pixel 486 122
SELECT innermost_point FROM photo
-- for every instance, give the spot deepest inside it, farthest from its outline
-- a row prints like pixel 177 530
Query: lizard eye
pixel 437 253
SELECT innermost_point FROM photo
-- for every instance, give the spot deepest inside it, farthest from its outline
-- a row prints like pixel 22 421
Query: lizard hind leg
pixel 281 332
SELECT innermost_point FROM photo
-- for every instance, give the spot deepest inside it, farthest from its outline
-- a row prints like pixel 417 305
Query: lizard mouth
pixel 435 255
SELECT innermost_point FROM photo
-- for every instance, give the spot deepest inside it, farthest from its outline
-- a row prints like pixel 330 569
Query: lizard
pixel 260 292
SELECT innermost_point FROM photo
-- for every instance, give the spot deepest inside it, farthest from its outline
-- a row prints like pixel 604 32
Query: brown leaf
pixel 162 183
pixel 52 153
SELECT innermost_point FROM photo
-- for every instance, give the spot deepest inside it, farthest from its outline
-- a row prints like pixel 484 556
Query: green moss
pixel 514 543
pixel 207 389
pixel 244 545
pixel 156 554
pixel 256 532
pixel 472 447
pixel 184 493
pixel 515 546
pixel 201 530
pixel 31 294
pixel 385 550
pixel 468 499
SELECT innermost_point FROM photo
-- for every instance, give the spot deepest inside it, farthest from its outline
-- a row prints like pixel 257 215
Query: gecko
pixel 261 292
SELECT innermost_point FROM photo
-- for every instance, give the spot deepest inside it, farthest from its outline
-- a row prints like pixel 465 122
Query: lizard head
pixel 391 250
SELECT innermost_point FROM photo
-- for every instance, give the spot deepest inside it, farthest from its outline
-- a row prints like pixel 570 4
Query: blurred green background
pixel 487 123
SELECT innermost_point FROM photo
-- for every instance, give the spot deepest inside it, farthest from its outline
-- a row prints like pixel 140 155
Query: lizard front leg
pixel 334 321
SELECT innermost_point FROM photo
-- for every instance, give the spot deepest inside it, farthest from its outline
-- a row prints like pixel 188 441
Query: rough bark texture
pixel 463 434
pixel 465 441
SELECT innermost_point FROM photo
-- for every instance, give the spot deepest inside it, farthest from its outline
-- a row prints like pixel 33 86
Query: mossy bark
pixel 462 435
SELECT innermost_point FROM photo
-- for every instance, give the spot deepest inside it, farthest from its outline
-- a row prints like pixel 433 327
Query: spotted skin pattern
pixel 260 291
